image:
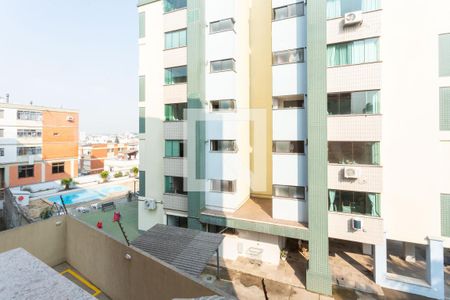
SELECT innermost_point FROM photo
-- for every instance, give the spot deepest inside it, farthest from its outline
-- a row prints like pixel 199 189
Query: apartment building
pixel 287 119
pixel 93 156
pixel 37 144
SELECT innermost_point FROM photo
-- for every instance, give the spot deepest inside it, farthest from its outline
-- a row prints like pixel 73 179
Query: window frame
pixel 301 143
pixel 233 69
pixel 26 170
pixel 221 182
pixel 302 188
pixel 222 110
pixel 57 166
pixel 211 147
pixel 289 52
pixel 171 70
pixel 287 7
pixel 223 30
pixel 166 11
pixel 178 31
pixel 351 93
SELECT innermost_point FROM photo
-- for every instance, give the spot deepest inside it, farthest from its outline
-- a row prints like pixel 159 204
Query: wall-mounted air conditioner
pixel 70 118
pixel 150 204
pixel 357 224
pixel 353 18
pixel 352 172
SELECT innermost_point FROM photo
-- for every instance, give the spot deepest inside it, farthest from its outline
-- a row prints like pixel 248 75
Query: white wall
pixel 290 209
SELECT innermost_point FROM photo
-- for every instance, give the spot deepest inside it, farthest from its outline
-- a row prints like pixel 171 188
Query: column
pixel 435 266
pixel 380 262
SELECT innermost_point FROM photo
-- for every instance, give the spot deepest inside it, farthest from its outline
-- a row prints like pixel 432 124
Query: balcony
pixel 175 130
pixel 340 227
pixel 175 202
pixel 175 166
pixel 175 93
pixel 289 79
pixel 370 178
pixel 175 57
pixel 175 20
pixel 354 128
pixel 289 169
pixel 361 77
pixel 293 27
pixel 289 124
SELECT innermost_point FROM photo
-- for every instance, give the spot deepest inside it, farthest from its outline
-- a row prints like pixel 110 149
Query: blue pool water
pixel 88 195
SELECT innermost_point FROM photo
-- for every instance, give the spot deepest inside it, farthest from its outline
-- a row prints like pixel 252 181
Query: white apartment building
pixel 354 143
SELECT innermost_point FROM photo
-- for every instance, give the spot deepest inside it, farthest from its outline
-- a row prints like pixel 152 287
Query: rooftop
pixel 35 107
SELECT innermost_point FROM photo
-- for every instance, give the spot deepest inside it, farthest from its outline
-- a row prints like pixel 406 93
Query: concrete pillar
pixel 435 266
pixel 367 249
pixel 380 262
pixel 72 167
pixel 409 252
pixel 43 172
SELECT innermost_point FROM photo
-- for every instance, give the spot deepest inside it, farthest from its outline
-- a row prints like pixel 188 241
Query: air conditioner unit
pixel 352 18
pixel 351 173
pixel 357 224
pixel 150 204
pixel 70 118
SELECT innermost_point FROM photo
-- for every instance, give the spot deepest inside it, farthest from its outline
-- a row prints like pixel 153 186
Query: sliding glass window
pixel 289 11
pixel 175 39
pixel 223 105
pixel 222 65
pixel 355 52
pixel 288 147
pixel 362 153
pixel 223 146
pixel 175 112
pixel 288 57
pixel 228 186
pixel 354 202
pixel 222 25
pixel 288 191
pixel 355 103
pixel 171 5
pixel 338 8
pixel 174 148
pixel 174 185
pixel 175 75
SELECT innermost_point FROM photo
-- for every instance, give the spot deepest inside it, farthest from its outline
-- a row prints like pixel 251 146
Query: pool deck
pixel 129 220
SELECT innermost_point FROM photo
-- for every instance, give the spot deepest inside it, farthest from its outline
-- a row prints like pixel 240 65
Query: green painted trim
pixel 273 229
pixel 141 24
pixel 318 276
pixel 144 2
pixel 445 215
pixel 142 183
pixel 196 95
pixel 444 109
pixel 141 119
pixel 444 54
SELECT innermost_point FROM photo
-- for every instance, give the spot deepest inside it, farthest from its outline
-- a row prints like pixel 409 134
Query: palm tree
pixel 66 182
pixel 104 175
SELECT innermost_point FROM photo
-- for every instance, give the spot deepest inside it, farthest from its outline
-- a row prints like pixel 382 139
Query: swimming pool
pixel 86 195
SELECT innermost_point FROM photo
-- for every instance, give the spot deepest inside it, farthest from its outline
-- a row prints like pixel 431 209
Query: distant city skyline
pixel 78 55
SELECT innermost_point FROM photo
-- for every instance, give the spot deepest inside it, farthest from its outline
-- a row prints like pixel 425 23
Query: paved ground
pixel 73 275
pixel 129 212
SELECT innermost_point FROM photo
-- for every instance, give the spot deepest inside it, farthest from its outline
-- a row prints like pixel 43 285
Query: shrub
pixel 118 174
pixel 104 175
pixel 135 171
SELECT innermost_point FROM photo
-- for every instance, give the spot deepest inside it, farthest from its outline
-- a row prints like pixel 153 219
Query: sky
pixel 79 54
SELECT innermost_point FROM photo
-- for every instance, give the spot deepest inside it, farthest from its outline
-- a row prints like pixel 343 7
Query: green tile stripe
pixel 196 96
pixel 445 215
pixel 141 24
pixel 444 54
pixel 141 119
pixel 142 183
pixel 444 109
pixel 318 276
pixel 273 229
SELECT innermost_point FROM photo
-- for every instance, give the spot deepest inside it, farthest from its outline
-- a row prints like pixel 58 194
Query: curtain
pixel 372 102
pixel 357 52
pixel 332 196
pixel 331 55
pixel 374 201
pixel 371 50
pixel 333 8
pixel 376 153
pixel 368 5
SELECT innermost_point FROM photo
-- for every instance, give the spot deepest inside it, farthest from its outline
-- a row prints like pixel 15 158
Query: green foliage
pixel 66 182
pixel 46 213
pixel 118 174
pixel 134 170
pixel 104 175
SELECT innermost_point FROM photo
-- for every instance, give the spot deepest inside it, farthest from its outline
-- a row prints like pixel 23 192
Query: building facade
pixel 37 144
pixel 288 120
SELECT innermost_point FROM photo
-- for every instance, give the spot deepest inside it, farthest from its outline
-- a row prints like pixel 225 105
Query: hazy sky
pixel 79 54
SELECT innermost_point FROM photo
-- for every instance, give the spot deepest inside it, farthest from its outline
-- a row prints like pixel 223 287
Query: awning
pixel 187 249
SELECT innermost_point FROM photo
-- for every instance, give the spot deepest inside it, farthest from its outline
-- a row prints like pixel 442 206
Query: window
pixel 288 57
pixel 286 102
pixel 222 65
pixel 171 5
pixel 287 191
pixel 176 75
pixel 222 25
pixel 223 105
pixel 174 149
pixel 444 54
pixel 141 183
pixel 228 186
pixel 175 112
pixel 29 115
pixel 141 88
pixel 26 171
pixel 177 221
pixel 289 11
pixel 338 8
pixel 21 151
pixel 175 39
pixel 445 215
pixel 174 185
pixel 2 151
pixel 354 202
pixel 362 103
pixel 2 132
pixel 57 167
pixel 223 146
pixel 362 153
pixel 141 24
pixel 444 109
pixel 141 119
pixel 29 133
pixel 296 147
pixel 355 52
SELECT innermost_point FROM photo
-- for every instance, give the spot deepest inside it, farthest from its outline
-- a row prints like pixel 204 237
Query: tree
pixel 135 171
pixel 104 175
pixel 66 182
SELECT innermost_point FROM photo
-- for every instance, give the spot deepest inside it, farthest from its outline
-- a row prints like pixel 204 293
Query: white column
pixel 43 172
pixel 435 266
pixel 409 252
pixel 380 262
pixel 72 165
pixel 367 249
